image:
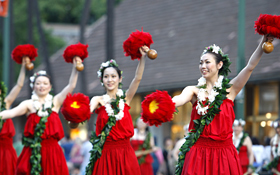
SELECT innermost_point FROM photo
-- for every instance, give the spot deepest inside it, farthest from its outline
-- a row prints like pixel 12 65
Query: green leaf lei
pixel 274 162
pixel 35 144
pixel 145 146
pixel 3 89
pixel 98 141
pixel 242 141
pixel 214 108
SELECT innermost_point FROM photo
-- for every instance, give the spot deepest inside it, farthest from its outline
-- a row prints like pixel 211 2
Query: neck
pixel 112 93
pixel 141 131
pixel 211 81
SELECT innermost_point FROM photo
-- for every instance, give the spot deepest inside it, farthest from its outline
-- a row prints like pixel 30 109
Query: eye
pixel 105 76
pixel 113 76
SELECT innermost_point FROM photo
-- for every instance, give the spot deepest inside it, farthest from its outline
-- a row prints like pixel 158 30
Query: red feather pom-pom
pixel 136 40
pixel 73 50
pixel 268 24
pixel 157 108
pixel 24 50
pixel 76 108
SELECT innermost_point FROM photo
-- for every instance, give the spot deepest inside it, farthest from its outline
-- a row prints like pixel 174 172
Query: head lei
pixel 35 75
pixel 103 66
pixel 226 61
pixel 239 122
pixel 275 124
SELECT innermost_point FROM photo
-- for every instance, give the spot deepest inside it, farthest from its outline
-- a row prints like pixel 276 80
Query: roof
pixel 181 30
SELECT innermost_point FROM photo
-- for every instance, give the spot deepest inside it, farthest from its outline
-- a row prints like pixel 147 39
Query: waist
pixel 6 140
pixel 208 142
pixel 116 144
pixel 49 141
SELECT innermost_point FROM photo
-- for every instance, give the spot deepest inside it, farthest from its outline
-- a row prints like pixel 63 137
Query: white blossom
pixel 99 73
pixel 201 95
pixel 212 95
pixel 216 49
pixel 120 93
pixel 32 78
pixel 106 64
pixel 201 81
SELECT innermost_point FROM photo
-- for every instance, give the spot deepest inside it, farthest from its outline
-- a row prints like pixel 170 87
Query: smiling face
pixel 140 124
pixel 237 129
pixel 111 79
pixel 208 65
pixel 42 86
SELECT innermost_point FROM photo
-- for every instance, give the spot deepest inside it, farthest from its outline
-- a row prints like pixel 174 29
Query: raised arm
pixel 241 79
pixel 21 109
pixel 10 98
pixel 137 79
pixel 60 97
pixel 185 97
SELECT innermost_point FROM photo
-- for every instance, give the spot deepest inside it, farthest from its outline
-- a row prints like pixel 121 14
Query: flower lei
pixel 210 108
pixel 145 146
pixel 32 78
pixel 115 113
pixel 3 89
pixel 242 141
pixel 274 162
pixel 35 142
pixel 111 63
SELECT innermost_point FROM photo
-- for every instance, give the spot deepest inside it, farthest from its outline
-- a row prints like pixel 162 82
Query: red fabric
pixel 136 40
pixel 278 167
pixel 164 113
pixel 146 167
pixel 214 152
pixel 117 157
pixel 243 157
pixel 8 156
pixel 268 24
pixel 24 50
pixel 75 50
pixel 76 115
pixel 53 160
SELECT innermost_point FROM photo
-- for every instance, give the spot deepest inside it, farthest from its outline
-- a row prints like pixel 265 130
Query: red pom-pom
pixel 73 50
pixel 76 108
pixel 268 24
pixel 157 108
pixel 136 40
pixel 24 50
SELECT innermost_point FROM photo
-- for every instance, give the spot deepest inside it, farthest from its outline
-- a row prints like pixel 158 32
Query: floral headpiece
pixel 239 122
pixel 226 61
pixel 275 124
pixel 32 78
pixel 111 63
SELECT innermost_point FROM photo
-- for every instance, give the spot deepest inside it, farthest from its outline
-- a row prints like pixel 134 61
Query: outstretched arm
pixel 185 97
pixel 60 97
pixel 21 109
pixel 241 79
pixel 10 98
pixel 137 79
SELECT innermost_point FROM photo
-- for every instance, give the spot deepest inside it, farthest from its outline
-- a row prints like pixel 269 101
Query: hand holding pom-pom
pixel 76 50
pixel 26 52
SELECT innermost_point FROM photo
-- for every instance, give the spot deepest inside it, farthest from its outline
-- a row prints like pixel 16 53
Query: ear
pixel 220 65
pixel 120 80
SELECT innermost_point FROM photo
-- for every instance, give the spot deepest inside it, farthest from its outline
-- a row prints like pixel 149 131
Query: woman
pixel 243 145
pixel 275 148
pixel 115 122
pixel 209 148
pixel 8 155
pixel 143 144
pixel 43 129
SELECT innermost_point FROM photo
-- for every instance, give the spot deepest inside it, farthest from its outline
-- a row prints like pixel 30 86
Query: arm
pixel 21 109
pixel 185 97
pixel 250 153
pixel 241 79
pixel 10 98
pixel 60 97
pixel 148 151
pixel 137 79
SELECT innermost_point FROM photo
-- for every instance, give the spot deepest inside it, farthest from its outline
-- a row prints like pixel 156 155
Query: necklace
pixel 119 105
pixel 42 109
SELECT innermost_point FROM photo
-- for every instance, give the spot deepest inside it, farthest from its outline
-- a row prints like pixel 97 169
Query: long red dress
pixel 8 156
pixel 118 157
pixel 214 152
pixel 243 157
pixel 145 167
pixel 53 160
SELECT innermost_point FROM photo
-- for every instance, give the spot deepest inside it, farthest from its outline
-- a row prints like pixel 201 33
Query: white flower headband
pixel 103 65
pixel 275 124
pixel 239 122
pixel 32 78
pixel 215 49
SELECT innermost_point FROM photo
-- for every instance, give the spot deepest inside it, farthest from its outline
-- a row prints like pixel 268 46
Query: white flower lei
pixel 108 106
pixel 43 112
pixel 201 109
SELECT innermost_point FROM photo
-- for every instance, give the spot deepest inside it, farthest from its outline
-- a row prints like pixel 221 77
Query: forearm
pixel 140 68
pixel 256 56
pixel 21 76
pixel 73 78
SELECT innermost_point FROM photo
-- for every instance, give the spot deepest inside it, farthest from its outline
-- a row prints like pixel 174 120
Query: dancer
pixel 243 145
pixel 275 149
pixel 114 125
pixel 8 156
pixel 209 148
pixel 143 144
pixel 43 129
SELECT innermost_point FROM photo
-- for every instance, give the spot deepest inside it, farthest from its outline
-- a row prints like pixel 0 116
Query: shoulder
pixel 96 99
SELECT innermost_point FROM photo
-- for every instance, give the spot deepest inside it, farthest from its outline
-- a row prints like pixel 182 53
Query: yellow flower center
pixel 153 106
pixel 75 105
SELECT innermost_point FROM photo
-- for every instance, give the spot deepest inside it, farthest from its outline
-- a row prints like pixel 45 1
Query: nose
pixel 203 65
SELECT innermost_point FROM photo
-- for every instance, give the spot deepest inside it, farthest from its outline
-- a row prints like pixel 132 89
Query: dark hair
pixel 116 68
pixel 42 76
pixel 217 57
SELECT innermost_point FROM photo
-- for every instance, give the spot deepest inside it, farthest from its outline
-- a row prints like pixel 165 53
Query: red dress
pixel 243 157
pixel 118 157
pixel 8 156
pixel 53 160
pixel 214 152
pixel 146 167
